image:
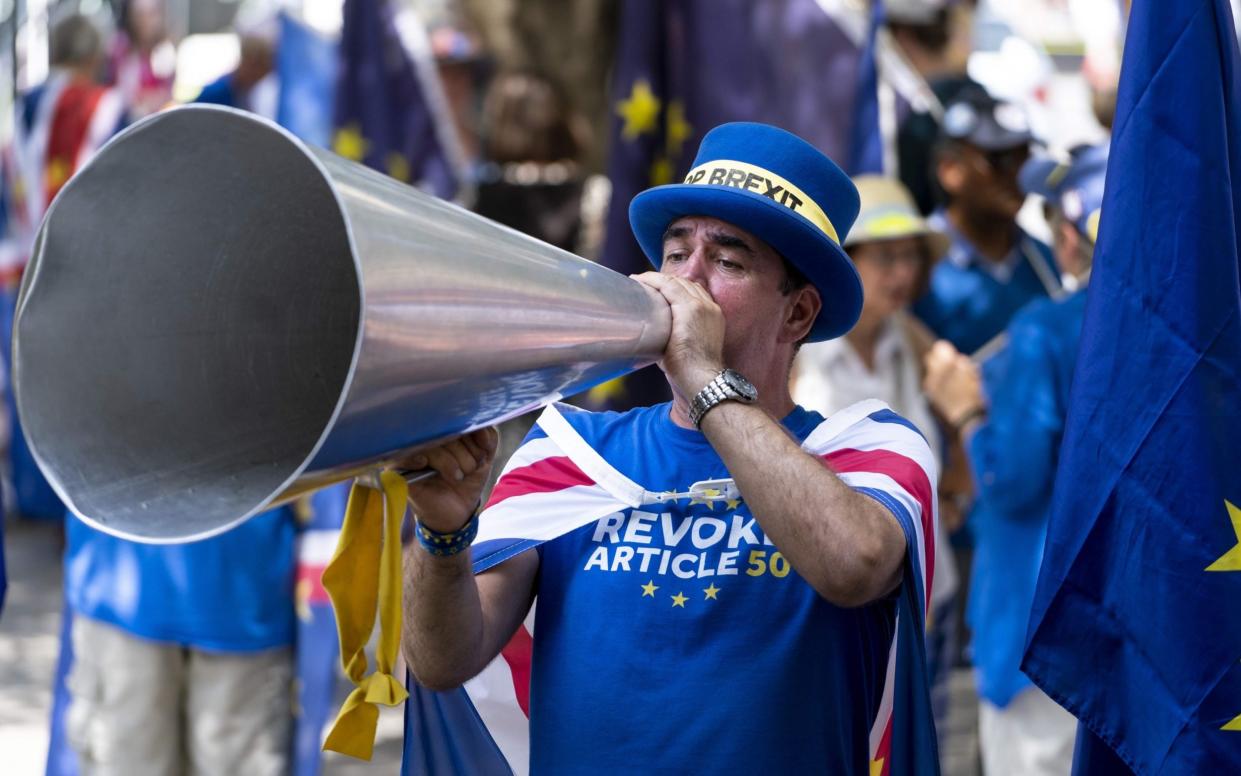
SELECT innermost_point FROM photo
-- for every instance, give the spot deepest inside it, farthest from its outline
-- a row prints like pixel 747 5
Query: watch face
pixel 740 385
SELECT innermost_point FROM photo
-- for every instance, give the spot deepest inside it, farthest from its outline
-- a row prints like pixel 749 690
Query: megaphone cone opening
pixel 181 348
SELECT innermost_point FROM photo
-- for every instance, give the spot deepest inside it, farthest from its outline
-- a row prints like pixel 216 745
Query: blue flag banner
pixel 306 63
pixel 1134 627
pixel 385 114
pixel 685 66
pixel 865 135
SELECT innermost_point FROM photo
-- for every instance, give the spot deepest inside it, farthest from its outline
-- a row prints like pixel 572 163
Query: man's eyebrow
pixel 726 240
pixel 674 231
pixel 714 236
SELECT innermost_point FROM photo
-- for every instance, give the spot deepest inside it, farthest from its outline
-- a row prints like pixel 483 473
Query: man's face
pixel 985 182
pixel 742 273
pixel 890 272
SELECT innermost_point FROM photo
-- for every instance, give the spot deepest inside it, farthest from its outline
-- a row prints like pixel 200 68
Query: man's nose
pixel 694 267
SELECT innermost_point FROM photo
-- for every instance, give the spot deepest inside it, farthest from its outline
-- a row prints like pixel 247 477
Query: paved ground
pixel 29 643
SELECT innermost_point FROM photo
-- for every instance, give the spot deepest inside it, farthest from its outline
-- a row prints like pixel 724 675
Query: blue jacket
pixel 219 92
pixel 1014 457
pixel 971 299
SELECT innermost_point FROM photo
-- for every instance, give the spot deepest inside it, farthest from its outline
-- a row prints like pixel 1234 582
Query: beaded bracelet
pixel 446 544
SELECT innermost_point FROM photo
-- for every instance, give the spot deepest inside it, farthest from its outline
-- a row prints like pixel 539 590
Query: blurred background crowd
pixel 977 131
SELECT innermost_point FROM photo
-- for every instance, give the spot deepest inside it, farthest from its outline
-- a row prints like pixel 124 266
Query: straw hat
pixel 888 213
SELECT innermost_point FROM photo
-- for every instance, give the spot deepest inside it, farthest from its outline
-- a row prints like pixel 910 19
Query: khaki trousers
pixel 144 708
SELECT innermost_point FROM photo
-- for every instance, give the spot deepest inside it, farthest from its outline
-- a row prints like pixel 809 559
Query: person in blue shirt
pixel 182 653
pixel 992 268
pixel 1011 413
pixel 234 89
pixel 755 632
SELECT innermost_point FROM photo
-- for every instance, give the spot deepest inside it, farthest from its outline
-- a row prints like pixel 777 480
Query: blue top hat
pixel 782 190
pixel 1073 184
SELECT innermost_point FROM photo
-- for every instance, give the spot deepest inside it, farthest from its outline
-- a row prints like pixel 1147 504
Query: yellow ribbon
pixel 365 571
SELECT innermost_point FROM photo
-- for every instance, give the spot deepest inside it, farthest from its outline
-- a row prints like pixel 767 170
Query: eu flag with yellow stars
pixel 1136 627
pixel 685 66
pixel 385 112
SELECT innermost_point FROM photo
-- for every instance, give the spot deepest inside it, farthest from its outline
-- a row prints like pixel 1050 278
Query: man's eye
pixel 728 264
pixel 674 257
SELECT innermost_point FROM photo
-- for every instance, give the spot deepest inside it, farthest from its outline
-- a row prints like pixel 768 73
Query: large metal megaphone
pixel 218 317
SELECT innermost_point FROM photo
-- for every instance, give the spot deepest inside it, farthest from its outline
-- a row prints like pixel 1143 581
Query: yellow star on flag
pixel 605 392
pixel 678 129
pixel 661 171
pixel 398 167
pixel 57 172
pixel 876 767
pixel 649 588
pixel 349 142
pixel 711 591
pixel 679 600
pixel 1234 726
pixel 640 111
pixel 1231 560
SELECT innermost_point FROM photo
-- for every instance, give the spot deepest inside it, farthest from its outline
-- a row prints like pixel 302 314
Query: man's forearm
pixel 847 546
pixel 443 629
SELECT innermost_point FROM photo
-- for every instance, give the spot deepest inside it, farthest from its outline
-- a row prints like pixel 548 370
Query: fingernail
pixel 460 475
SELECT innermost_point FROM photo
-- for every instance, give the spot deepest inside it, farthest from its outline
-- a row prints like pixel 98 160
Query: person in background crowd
pixel 1012 423
pixel 881 357
pixel 992 268
pixel 530 179
pixel 182 653
pixel 59 127
pixel 236 89
pixel 143 61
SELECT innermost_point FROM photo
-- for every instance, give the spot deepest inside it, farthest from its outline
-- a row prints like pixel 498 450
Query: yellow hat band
pixel 740 175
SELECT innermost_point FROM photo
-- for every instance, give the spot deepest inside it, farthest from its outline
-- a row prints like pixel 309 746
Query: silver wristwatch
pixel 728 385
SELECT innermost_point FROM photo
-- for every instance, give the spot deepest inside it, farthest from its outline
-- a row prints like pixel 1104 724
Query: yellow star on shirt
pixel 679 600
pixel 1231 560
pixel 733 503
pixel 640 111
pixel 349 142
pixel 711 591
pixel 708 497
pixel 649 588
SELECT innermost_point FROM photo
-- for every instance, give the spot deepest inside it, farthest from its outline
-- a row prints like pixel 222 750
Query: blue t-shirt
pixel 229 593
pixel 970 299
pixel 676 639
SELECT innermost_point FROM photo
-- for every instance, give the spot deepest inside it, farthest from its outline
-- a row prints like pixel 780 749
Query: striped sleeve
pixel 885 457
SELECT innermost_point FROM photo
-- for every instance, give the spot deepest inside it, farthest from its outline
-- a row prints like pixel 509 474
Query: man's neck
pixel 993 238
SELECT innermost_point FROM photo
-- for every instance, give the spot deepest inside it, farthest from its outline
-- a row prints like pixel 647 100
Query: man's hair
pixel 794 279
pixel 75 41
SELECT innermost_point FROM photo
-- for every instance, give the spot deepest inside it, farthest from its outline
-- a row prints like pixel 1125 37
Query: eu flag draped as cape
pixel 1135 627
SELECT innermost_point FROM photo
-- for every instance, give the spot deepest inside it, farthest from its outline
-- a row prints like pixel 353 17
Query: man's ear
pixel 803 310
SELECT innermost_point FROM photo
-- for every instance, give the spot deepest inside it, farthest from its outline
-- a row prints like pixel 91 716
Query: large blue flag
pixel 386 99
pixel 1135 627
pixel 685 66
